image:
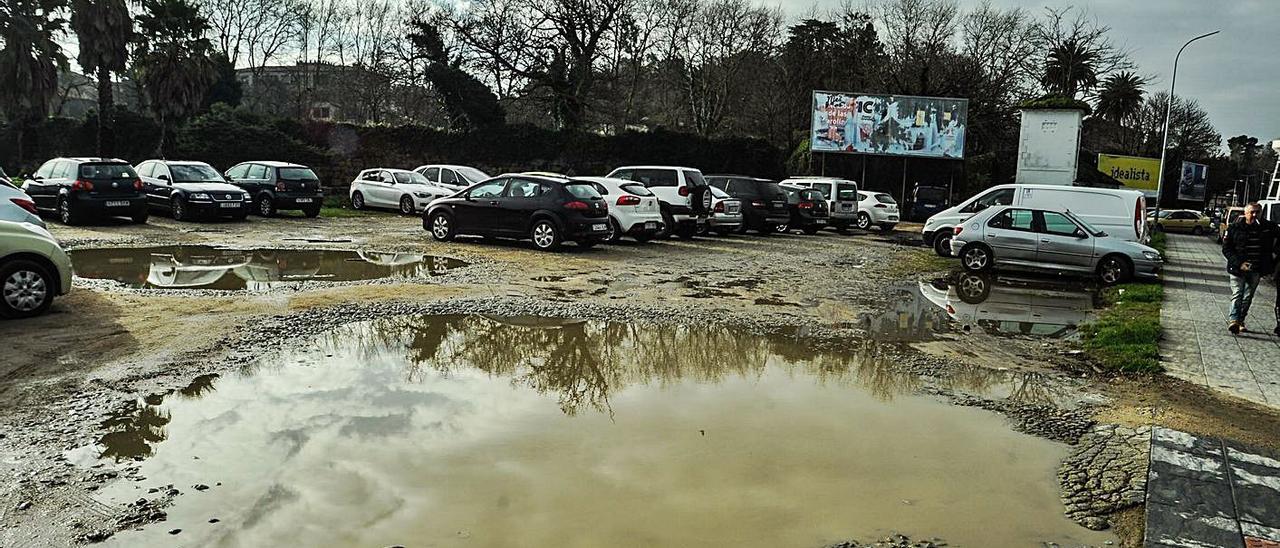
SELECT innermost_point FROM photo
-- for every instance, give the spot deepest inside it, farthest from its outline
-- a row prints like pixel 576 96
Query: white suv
pixel 685 198
pixel 841 195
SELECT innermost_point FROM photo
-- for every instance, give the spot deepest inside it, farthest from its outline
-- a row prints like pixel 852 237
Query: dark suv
pixel 809 211
pixel 278 185
pixel 764 203
pixel 79 188
pixel 547 210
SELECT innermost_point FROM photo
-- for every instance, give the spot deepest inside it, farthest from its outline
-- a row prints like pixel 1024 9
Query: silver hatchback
pixel 1049 240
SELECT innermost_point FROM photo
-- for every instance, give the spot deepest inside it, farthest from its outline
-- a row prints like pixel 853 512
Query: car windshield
pixel 1084 224
pixel 471 174
pixel 582 190
pixel 885 198
pixel 107 171
pixel 694 178
pixel 773 191
pixel 637 189
pixel 411 178
pixel 196 173
pixel 719 193
pixel 931 193
pixel 846 191
pixel 1163 213
pixel 298 174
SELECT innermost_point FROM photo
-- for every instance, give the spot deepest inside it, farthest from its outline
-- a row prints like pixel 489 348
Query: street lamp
pixel 1168 108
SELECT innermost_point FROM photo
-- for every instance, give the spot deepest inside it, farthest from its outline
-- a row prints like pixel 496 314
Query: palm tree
pixel 1121 97
pixel 172 60
pixel 104 29
pixel 1070 69
pixel 29 62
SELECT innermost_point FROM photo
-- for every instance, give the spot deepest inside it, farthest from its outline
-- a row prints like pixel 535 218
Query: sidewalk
pixel 1196 345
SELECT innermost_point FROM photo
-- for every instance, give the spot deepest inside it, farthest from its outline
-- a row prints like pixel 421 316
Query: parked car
pixel 927 200
pixel 1049 240
pixel 408 191
pixel 764 203
pixel 279 186
pixel 877 209
pixel 450 176
pixel 683 195
pixel 191 190
pixel 633 208
pixel 1229 217
pixel 726 213
pixel 808 211
pixel 1119 212
pixel 16 206
pixel 546 210
pixel 841 196
pixel 33 270
pixel 80 188
pixel 1185 220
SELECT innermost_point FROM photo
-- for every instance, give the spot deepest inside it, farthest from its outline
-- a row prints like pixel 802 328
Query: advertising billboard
pixel 1134 172
pixel 1191 185
pixel 1048 146
pixel 897 125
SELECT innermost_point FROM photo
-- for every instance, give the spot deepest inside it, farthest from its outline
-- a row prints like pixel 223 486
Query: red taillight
pixel 805 205
pixel 757 203
pixel 719 208
pixel 628 200
pixel 577 205
pixel 684 191
pixel 958 230
pixel 28 205
pixel 280 186
pixel 137 184
pixel 81 184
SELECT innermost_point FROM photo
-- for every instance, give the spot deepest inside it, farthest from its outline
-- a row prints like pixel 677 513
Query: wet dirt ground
pixel 109 403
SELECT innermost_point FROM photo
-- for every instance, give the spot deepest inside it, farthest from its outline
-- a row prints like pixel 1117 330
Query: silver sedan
pixel 1049 240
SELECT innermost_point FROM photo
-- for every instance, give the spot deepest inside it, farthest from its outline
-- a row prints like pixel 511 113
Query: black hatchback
pixel 547 210
pixel 809 211
pixel 764 203
pixel 80 188
pixel 277 186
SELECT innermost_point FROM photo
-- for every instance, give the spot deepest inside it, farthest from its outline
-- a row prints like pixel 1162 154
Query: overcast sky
pixel 1235 75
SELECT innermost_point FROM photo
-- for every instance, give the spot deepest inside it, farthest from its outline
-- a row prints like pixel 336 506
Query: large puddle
pixel 485 431
pixel 204 267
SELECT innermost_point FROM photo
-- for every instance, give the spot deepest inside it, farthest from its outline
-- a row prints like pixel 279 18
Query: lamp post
pixel 1168 108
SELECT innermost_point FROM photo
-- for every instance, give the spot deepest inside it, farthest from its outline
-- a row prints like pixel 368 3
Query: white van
pixel 1118 212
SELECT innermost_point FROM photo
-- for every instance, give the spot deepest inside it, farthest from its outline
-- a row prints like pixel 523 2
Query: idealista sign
pixel 1134 172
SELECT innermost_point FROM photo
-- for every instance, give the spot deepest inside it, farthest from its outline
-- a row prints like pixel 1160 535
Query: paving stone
pixel 1167 526
pixel 1182 441
pixel 1190 495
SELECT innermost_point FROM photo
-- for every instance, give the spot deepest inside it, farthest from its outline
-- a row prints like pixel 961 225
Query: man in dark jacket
pixel 1250 251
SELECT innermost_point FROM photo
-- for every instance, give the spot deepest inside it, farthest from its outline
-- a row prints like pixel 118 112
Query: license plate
pixel 303 200
pixel 651 225
pixel 846 207
pixel 599 227
pixel 118 203
pixel 820 221
pixel 229 205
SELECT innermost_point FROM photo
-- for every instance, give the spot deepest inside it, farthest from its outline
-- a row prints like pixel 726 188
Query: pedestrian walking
pixel 1249 247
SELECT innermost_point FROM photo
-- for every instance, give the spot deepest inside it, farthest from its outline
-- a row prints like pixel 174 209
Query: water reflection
pixel 204 267
pixel 911 316
pixel 1008 305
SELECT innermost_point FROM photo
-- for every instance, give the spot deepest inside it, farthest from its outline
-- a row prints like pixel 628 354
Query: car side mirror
pixel 1080 234
pixel 163 177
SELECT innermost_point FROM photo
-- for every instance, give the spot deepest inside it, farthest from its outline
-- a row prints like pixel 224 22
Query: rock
pixel 1094 522
pixel 23 505
pixel 200 487
pixel 174 531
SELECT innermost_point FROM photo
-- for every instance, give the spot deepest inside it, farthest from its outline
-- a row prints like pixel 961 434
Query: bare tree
pixel 252 32
pixel 918 36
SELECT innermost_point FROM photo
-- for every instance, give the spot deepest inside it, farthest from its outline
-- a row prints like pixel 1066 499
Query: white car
pixel 33 269
pixel 726 213
pixel 683 195
pixel 841 195
pixel 16 206
pixel 408 191
pixel 451 176
pixel 633 209
pixel 877 209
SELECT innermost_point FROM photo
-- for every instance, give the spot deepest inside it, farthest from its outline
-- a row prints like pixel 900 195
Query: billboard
pixel 898 125
pixel 1048 146
pixel 1191 185
pixel 1134 172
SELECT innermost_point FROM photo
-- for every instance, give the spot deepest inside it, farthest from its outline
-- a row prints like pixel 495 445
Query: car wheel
pixel 1114 270
pixel 976 258
pixel 406 205
pixel 587 244
pixel 643 238
pixel 742 228
pixel 668 225
pixel 312 213
pixel 1197 230
pixel 864 221
pixel 357 200
pixel 545 235
pixel 767 229
pixel 973 288
pixel 140 218
pixel 26 289
pixel 265 207
pixel 615 231
pixel 887 227
pixel 811 230
pixel 686 233
pixel 782 228
pixel 66 213
pixel 942 243
pixel 179 209
pixel 441 227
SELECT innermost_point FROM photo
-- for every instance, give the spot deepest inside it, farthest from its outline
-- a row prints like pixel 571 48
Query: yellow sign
pixel 1134 172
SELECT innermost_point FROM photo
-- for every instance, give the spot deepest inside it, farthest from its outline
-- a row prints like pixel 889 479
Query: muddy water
pixel 204 267
pixel 488 431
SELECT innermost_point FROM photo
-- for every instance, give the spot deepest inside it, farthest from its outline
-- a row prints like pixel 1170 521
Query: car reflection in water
pixel 1009 305
pixel 913 316
pixel 203 267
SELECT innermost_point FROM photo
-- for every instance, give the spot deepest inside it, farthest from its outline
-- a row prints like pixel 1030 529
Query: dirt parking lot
pixel 110 343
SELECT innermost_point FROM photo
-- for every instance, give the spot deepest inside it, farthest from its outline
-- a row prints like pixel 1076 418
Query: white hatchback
pixel 33 270
pixel 877 209
pixel 405 190
pixel 633 208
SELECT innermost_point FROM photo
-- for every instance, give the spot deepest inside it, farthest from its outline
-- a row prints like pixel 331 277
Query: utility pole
pixel 1164 149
